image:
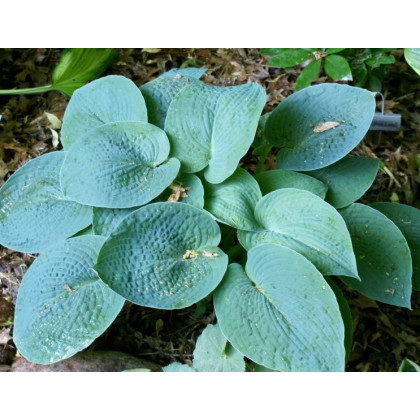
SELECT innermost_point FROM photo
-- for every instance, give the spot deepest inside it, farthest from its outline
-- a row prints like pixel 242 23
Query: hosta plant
pixel 149 202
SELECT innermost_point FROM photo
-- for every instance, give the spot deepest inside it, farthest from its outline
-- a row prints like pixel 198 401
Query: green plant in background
pixel 412 56
pixel 363 66
pixel 76 67
pixel 146 203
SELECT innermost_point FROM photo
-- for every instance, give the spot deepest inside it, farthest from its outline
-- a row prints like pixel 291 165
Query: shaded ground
pixel 384 334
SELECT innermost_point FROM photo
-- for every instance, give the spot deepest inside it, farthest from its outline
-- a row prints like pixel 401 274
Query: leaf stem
pixel 261 161
pixel 27 91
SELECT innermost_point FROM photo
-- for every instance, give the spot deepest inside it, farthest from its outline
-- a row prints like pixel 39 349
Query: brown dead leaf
pixel 178 192
pixel 325 126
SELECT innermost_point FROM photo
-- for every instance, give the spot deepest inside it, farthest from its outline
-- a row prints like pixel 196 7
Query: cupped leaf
pixel 348 179
pixel 163 255
pixel 337 67
pixel 407 219
pixel 106 220
pixel 62 304
pixel 412 56
pixel 408 365
pixel 186 188
pixel 213 353
pixel 106 100
pixel 319 125
pixel 34 213
pixel 274 180
pixel 159 93
pixel 280 312
pixel 118 165
pixel 308 75
pixel 213 127
pixel 80 65
pixel 304 222
pixel 382 255
pixel 233 201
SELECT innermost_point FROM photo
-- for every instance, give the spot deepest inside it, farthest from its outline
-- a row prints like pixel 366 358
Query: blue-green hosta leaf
pixel 408 365
pixel 213 127
pixel 382 255
pixel 304 222
pixel 348 179
pixel 213 353
pixel 80 65
pixel 178 367
pixel 186 188
pixel 62 304
pixel 118 165
pixel 280 312
pixel 407 219
pixel 163 255
pixel 274 180
pixel 106 220
pixel 34 212
pixel 159 93
pixel 233 201
pixel 105 100
pixel 412 56
pixel 319 125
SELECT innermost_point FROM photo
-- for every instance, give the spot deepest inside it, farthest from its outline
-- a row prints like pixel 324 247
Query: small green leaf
pixel 233 201
pixel 159 93
pixel 412 56
pixel 308 75
pixel 379 59
pixel 348 179
pixel 272 51
pixel 319 125
pixel 106 100
pixel 178 367
pixel 163 255
pixel 212 127
pixel 276 179
pixel 34 213
pixel 290 57
pixel 80 65
pixel 337 67
pixel 382 254
pixel 62 304
pixel 280 312
pixel 118 165
pixel 213 353
pixel 304 222
pixel 408 366
pixel 407 219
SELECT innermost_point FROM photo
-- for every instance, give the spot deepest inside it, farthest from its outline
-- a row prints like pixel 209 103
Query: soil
pixel 384 335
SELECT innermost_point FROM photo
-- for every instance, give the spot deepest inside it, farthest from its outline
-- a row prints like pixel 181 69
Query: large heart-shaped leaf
pixel 319 125
pixel 212 127
pixel 274 180
pixel 106 100
pixel 159 93
pixel 280 312
pixel 62 304
pixel 407 219
pixel 33 210
pixel 233 201
pixel 304 222
pixel 163 255
pixel 382 255
pixel 80 65
pixel 106 220
pixel 348 179
pixel 118 165
pixel 213 353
